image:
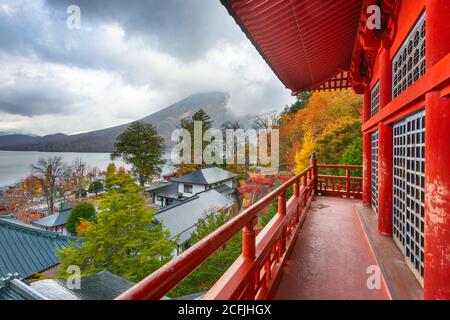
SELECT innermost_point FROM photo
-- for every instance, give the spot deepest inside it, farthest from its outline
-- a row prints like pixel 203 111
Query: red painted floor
pixel 330 257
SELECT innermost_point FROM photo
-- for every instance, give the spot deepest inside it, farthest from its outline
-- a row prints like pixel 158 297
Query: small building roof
pixel 12 219
pixel 26 250
pixel 181 218
pixel 54 220
pixel 168 190
pixel 224 189
pixel 103 285
pixel 206 176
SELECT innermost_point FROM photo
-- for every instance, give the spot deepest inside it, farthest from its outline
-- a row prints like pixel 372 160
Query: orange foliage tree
pixel 330 122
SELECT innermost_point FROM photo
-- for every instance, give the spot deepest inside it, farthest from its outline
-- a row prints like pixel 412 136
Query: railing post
pixel 249 240
pixel 313 162
pixel 297 189
pixel 347 182
pixel 305 185
pixel 282 212
pixel 249 253
pixel 282 204
pixel 297 195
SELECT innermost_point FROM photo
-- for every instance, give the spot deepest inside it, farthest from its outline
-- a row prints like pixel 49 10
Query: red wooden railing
pixel 348 186
pixel 255 274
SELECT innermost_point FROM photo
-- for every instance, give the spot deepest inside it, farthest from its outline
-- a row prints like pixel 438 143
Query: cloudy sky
pixel 128 59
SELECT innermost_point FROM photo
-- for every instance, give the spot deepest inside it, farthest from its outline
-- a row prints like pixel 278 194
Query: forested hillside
pixel 328 123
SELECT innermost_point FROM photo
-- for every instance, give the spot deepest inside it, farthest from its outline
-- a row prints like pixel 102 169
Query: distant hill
pixel 165 121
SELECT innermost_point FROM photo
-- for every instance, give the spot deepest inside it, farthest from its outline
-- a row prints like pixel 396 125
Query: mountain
pixel 165 121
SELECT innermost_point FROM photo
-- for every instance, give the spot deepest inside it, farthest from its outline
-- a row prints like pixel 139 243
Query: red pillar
pixel 385 159
pixel 437 30
pixel 367 153
pixel 437 198
pixel 437 160
pixel 385 77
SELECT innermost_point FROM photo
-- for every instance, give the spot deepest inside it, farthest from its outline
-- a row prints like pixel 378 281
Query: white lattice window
pixel 374 182
pixel 408 189
pixel 409 63
pixel 375 99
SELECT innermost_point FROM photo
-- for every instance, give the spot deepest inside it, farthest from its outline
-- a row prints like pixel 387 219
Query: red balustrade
pixel 348 186
pixel 255 274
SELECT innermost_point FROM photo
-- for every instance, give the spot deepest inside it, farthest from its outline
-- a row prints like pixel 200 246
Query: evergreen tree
pixel 82 211
pixel 124 239
pixel 188 124
pixel 142 147
pixel 96 187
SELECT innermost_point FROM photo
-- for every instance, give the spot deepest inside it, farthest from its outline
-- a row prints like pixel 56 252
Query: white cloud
pixel 101 76
pixel 7 10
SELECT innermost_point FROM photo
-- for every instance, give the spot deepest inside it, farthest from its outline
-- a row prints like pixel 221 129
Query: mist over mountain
pixel 165 121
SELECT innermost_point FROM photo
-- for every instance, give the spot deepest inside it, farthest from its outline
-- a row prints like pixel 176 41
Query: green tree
pixel 272 210
pixel 111 170
pixel 124 239
pixel 352 155
pixel 96 187
pixel 142 147
pixel 214 267
pixel 188 124
pixel 301 103
pixel 82 211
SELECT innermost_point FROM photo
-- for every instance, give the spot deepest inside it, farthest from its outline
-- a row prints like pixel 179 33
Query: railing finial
pixel 313 156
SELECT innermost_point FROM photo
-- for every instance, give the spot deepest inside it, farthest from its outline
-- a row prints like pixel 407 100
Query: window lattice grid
pixel 374 182
pixel 375 100
pixel 409 188
pixel 409 63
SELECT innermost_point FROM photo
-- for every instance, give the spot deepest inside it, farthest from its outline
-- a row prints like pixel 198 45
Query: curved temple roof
pixel 309 44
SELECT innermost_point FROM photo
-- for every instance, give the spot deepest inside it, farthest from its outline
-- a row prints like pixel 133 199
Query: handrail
pixel 256 272
pixel 348 186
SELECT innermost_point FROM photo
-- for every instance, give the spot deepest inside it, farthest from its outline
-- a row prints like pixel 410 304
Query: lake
pixel 16 165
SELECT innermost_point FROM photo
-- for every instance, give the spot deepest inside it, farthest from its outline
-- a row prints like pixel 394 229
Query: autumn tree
pixel 256 187
pixel 143 148
pixel 111 170
pixel 79 172
pixel 329 122
pixel 266 121
pixel 82 211
pixel 124 240
pixel 49 171
pixel 32 186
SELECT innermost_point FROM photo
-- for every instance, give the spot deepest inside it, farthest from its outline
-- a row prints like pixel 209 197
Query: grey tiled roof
pixel 103 285
pixel 206 176
pixel 169 190
pixel 26 250
pixel 224 189
pixel 181 219
pixel 54 220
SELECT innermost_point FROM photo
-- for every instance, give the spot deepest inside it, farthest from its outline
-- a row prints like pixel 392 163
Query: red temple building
pixel 397 216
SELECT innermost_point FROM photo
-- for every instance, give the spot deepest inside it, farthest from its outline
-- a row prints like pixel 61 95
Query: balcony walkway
pixel 331 256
